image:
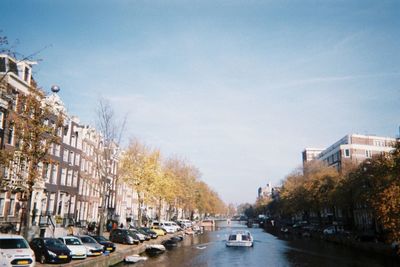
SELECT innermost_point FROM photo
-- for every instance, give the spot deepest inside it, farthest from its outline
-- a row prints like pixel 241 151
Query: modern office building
pixel 353 147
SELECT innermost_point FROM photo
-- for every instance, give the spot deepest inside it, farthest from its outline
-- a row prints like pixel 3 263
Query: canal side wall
pixel 118 256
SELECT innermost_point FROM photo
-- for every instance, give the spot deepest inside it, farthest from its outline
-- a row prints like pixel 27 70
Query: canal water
pixel 208 250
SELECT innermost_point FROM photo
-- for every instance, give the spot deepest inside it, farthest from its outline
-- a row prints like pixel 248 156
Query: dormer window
pixel 2 64
pixel 12 67
pixel 26 74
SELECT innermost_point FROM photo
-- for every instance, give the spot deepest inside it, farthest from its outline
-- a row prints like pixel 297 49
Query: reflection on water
pixel 209 250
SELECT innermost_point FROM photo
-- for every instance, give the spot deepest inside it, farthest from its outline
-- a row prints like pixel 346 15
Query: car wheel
pixel 42 259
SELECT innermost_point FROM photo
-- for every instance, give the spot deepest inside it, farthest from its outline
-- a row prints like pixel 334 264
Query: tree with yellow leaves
pixel 140 169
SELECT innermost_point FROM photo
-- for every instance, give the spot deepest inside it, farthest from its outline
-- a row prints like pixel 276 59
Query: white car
pixel 78 250
pixel 166 226
pixel 177 227
pixel 185 223
pixel 15 251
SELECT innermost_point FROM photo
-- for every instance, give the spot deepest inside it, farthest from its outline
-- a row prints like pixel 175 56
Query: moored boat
pixel 240 239
pixel 134 258
pixel 155 249
pixel 169 244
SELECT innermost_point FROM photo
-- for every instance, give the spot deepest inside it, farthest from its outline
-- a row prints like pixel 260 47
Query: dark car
pixel 50 250
pixel 108 245
pixel 148 231
pixel 123 236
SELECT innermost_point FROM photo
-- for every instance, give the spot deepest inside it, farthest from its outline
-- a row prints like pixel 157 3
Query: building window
pixel 11 207
pixel 69 177
pixel 75 180
pixel 1 120
pixel 2 202
pixel 46 174
pixel 60 202
pixel 12 66
pixel 63 176
pixel 51 203
pixel 65 156
pixel 10 134
pixel 73 141
pixel 57 150
pixel 26 74
pixel 54 174
pixel 71 158
pixel 77 156
pixel 2 64
pixel 347 153
pixel 51 149
pixel 368 153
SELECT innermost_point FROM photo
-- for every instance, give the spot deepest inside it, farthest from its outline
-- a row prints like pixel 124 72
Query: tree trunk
pixel 159 209
pixel 102 222
pixel 26 216
pixel 139 210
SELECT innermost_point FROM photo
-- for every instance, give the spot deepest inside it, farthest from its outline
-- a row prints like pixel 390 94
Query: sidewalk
pixel 118 256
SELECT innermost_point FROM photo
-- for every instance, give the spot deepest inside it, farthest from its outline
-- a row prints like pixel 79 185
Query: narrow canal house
pixel 89 182
pixel 61 175
pixel 15 79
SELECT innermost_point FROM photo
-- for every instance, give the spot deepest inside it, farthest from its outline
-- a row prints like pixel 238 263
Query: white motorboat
pixel 155 249
pixel 240 239
pixel 134 258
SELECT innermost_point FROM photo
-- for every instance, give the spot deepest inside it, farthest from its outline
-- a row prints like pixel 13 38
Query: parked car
pixel 185 223
pixel 78 250
pixel 333 229
pixel 93 248
pixel 50 250
pixel 166 226
pixel 107 244
pixel 158 230
pixel 140 233
pixel 299 224
pixel 150 232
pixel 139 236
pixel 176 226
pixel 123 236
pixel 15 251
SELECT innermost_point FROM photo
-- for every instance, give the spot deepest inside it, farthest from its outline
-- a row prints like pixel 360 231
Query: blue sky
pixel 238 88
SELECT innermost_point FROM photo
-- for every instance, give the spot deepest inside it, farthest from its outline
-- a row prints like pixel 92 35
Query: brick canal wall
pixel 113 258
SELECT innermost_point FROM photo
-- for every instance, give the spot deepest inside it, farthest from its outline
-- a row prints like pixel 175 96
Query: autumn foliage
pixel 170 181
pixel 373 185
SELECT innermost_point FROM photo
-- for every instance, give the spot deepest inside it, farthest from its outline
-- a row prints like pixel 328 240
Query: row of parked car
pixel 15 250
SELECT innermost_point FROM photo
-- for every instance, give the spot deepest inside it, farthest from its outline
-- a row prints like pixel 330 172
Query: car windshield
pixel 132 233
pixel 100 238
pixel 13 243
pixel 53 243
pixel 87 239
pixel 72 241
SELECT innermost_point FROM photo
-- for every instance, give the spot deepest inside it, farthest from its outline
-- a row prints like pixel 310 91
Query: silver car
pixel 93 248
